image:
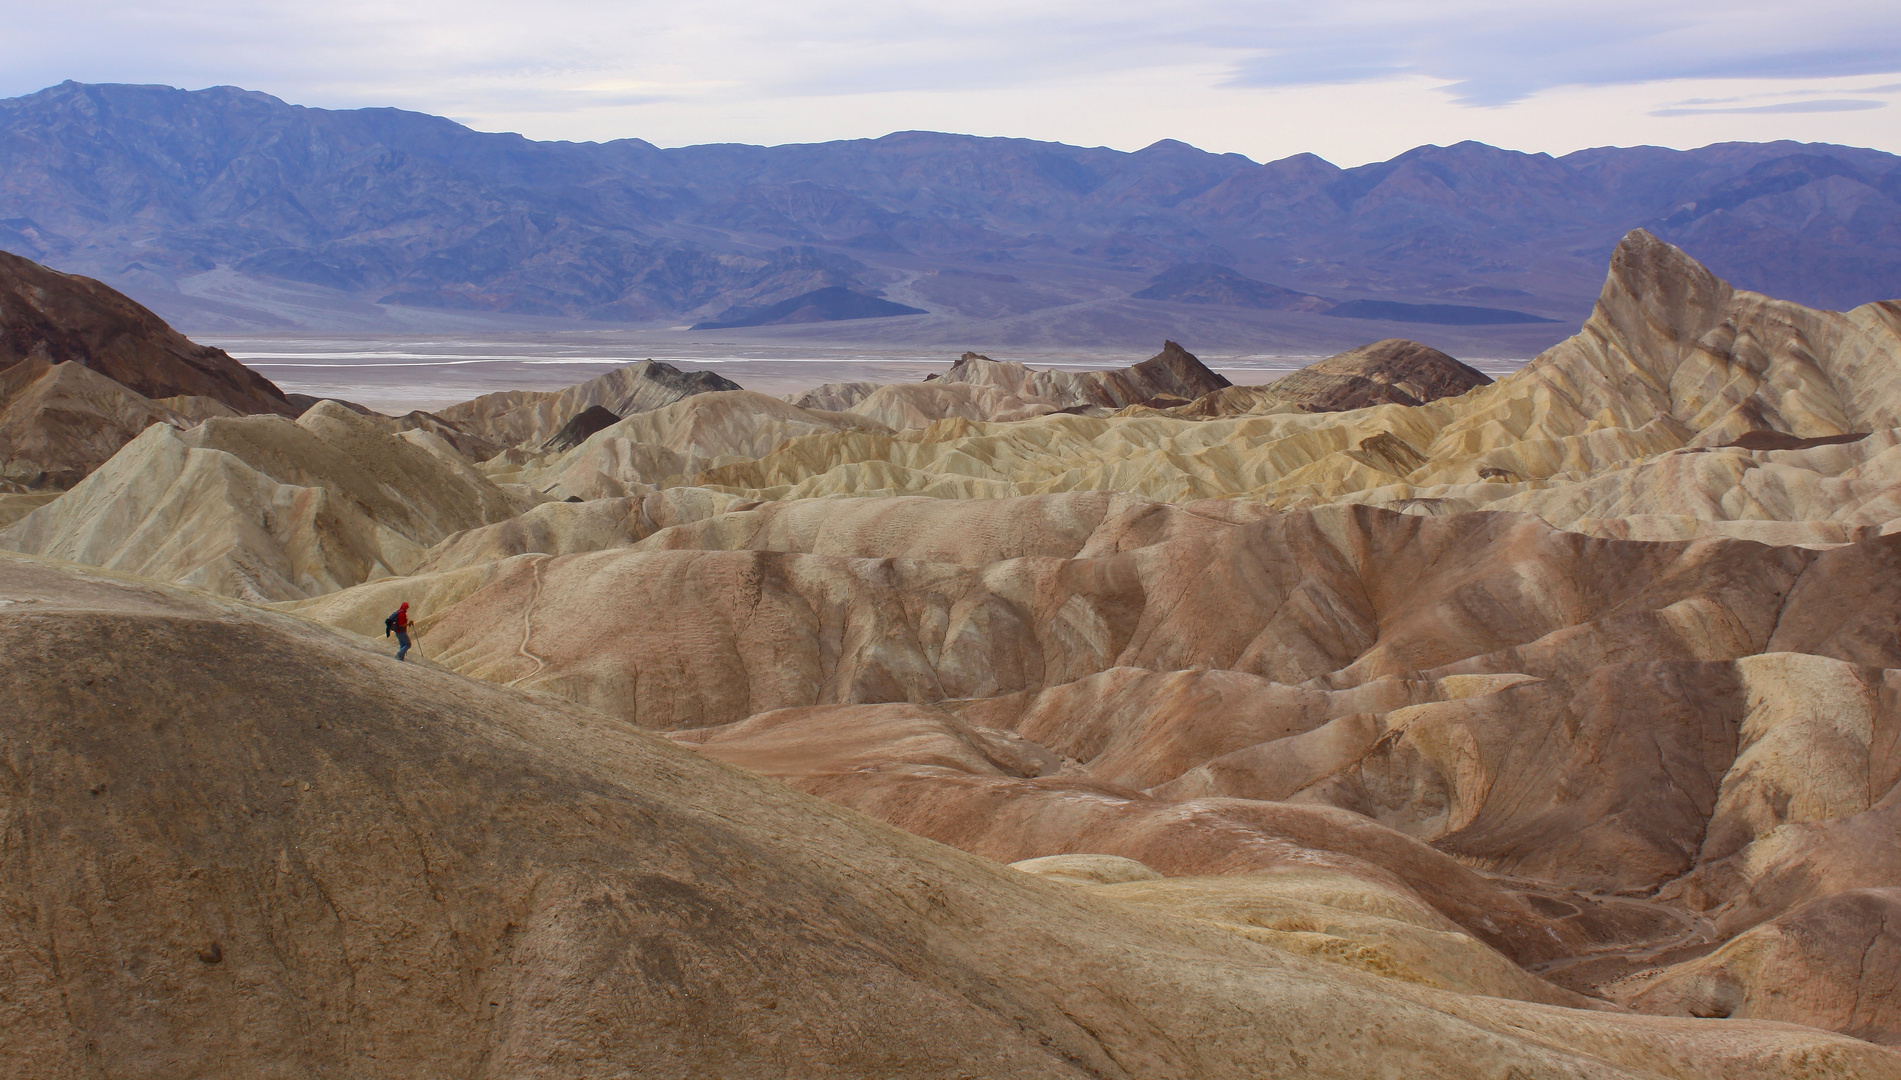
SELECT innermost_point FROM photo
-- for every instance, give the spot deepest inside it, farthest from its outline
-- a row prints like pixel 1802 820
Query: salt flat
pixel 397 373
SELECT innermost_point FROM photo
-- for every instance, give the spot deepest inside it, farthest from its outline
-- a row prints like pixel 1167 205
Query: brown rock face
pixel 1213 690
pixel 1173 372
pixel 1389 372
pixel 60 318
pixel 1831 963
pixel 59 422
pixel 292 856
pixel 1341 595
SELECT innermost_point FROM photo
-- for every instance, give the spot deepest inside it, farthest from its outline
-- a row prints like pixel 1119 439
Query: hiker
pixel 398 624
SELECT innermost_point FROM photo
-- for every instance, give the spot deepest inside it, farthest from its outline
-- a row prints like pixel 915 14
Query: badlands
pixel 1384 721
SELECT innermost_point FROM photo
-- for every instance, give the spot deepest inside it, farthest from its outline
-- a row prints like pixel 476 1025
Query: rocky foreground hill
pixel 1013 722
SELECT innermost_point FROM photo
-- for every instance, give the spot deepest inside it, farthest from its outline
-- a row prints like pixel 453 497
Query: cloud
pixel 1486 52
pixel 1784 93
pixel 694 70
pixel 1825 105
pixel 1492 53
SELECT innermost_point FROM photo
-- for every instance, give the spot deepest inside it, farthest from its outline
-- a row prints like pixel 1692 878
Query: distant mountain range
pixel 228 209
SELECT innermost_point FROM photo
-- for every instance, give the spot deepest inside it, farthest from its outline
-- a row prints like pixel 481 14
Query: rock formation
pixel 667 445
pixel 983 390
pixel 1832 963
pixel 1673 360
pixel 1393 371
pixel 1534 728
pixel 525 416
pixel 266 508
pixel 60 422
pixel 1173 372
pixel 60 318
pixel 1057 674
pixel 83 370
pixel 575 431
pixel 292 855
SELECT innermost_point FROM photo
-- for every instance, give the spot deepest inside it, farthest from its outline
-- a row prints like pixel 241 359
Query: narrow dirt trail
pixel 1603 972
pixel 527 626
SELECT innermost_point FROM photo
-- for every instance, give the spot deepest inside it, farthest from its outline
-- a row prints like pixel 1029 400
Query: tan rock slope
pixel 265 508
pixel 1220 689
pixel 664 446
pixel 1672 360
pixel 981 389
pixel 525 416
pixel 292 856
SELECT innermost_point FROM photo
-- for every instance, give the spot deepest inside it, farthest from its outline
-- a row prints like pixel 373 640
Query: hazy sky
pixel 1351 80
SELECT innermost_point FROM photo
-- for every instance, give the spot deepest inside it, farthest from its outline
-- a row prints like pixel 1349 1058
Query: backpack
pixel 389 624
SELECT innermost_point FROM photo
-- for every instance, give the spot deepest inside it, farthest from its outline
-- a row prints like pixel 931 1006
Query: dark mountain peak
pixel 1390 372
pixel 1472 148
pixel 1176 372
pixel 1175 148
pixel 63 318
pixel 146 97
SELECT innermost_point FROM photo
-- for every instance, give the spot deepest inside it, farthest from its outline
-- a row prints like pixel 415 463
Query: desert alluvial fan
pixel 1382 720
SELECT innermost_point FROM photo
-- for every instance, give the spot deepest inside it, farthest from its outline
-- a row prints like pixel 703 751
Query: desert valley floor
pixel 1380 720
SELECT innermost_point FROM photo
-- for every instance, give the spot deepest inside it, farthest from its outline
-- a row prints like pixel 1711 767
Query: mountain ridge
pixel 209 204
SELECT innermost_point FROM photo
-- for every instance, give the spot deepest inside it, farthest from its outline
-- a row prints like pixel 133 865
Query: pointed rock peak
pixel 1642 257
pixel 22 375
pixel 1655 284
pixel 1183 369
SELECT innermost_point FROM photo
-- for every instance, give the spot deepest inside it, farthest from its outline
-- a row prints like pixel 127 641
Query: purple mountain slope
pixel 169 193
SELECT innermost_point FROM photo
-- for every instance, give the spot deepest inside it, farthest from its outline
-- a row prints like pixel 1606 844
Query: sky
pixel 1351 80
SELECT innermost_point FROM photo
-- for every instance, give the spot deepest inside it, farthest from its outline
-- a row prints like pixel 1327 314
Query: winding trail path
pixel 527 625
